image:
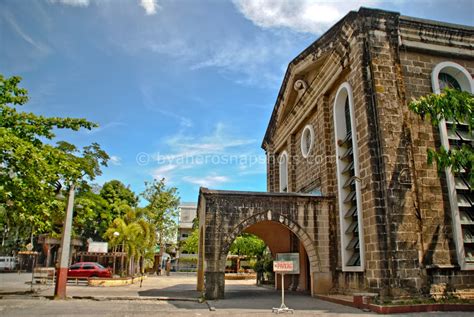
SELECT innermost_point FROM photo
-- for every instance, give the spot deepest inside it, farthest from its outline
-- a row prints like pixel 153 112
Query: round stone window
pixel 307 140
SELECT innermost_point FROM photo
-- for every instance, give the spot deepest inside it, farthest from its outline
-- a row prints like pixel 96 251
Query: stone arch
pixel 226 214
pixel 286 222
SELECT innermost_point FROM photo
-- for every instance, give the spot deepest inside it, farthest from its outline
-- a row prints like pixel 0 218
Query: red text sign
pixel 282 266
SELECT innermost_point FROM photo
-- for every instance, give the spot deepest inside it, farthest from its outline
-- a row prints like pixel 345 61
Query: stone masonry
pixel 223 215
pixel 387 59
pixel 406 223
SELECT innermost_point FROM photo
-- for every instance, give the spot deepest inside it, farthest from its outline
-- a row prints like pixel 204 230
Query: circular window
pixel 307 139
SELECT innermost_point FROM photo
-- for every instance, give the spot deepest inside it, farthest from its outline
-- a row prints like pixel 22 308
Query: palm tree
pixel 137 237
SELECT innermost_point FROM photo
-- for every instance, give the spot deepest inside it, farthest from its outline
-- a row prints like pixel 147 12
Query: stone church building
pixel 349 187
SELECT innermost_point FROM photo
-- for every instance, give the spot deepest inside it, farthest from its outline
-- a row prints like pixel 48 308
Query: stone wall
pixel 387 59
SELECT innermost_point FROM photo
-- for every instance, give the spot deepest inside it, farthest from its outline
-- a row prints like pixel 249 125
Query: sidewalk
pixel 178 285
pixel 154 297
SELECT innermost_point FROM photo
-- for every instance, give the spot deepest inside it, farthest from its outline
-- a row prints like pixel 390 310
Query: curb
pixel 16 293
pixel 134 298
pixel 163 298
pixel 399 309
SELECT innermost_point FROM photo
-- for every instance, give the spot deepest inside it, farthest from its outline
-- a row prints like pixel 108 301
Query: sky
pixel 181 89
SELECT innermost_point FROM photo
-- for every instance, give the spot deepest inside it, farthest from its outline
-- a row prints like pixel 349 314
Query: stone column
pixel 214 278
pixel 200 272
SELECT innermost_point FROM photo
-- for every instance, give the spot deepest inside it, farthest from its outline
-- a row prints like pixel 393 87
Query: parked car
pixel 88 269
pixel 7 263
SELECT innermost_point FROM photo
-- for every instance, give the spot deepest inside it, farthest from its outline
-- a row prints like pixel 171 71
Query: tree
pixel 162 209
pixel 94 218
pixel 248 244
pixel 32 167
pixel 452 106
pixel 115 192
pixel 136 235
pixel 119 200
pixel 191 244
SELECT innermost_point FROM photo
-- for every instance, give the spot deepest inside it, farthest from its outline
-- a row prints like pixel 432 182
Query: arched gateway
pixel 223 215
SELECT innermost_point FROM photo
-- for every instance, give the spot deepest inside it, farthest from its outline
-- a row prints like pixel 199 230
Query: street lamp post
pixel 116 235
pixel 61 279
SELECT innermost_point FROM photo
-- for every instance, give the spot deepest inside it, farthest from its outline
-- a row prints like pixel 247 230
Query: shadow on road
pixel 178 290
pixel 251 297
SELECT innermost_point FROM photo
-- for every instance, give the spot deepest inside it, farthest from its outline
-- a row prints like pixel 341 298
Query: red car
pixel 88 269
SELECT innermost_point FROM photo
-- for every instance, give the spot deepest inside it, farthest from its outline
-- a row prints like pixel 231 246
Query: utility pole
pixel 61 279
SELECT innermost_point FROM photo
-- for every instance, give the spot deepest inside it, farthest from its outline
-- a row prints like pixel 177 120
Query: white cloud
pixel 74 3
pixel 115 160
pixel 312 16
pixel 42 48
pixel 233 55
pixel 246 60
pixel 219 142
pixel 164 172
pixel 175 47
pixel 151 103
pixel 150 6
pixel 207 181
pixel 106 126
pixel 190 156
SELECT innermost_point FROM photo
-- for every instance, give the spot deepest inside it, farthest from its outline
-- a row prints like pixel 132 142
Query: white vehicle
pixel 7 263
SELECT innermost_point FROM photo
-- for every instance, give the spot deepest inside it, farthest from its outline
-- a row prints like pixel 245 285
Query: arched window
pixel 283 172
pixel 447 81
pixel 455 134
pixel 349 195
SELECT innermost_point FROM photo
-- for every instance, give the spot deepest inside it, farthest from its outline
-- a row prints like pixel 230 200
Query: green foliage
pixel 115 193
pixel 450 105
pixel 265 264
pixel 191 244
pixel 137 228
pixel 248 245
pixel 94 218
pixel 162 209
pixel 136 237
pixel 453 106
pixel 188 261
pixel 100 206
pixel 32 167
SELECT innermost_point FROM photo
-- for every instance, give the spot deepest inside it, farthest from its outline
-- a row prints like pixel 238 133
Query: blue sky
pixel 181 89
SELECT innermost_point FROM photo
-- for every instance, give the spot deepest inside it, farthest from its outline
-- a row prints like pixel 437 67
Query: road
pixel 243 298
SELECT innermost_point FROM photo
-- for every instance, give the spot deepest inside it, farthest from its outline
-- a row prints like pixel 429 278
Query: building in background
pixel 187 214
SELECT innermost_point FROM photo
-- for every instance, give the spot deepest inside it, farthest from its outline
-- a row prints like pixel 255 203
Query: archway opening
pixel 278 239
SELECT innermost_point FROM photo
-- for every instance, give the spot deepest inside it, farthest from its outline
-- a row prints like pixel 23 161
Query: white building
pixel 187 213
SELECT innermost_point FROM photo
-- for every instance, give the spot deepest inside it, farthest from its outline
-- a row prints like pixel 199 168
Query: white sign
pixel 98 247
pixel 290 257
pixel 282 266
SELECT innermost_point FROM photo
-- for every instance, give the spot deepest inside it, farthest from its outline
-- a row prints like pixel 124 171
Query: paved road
pixel 242 299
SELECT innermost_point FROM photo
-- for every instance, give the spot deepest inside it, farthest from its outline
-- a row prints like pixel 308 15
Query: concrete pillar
pixel 61 280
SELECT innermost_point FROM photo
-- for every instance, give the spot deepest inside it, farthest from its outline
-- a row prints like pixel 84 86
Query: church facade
pixel 341 134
